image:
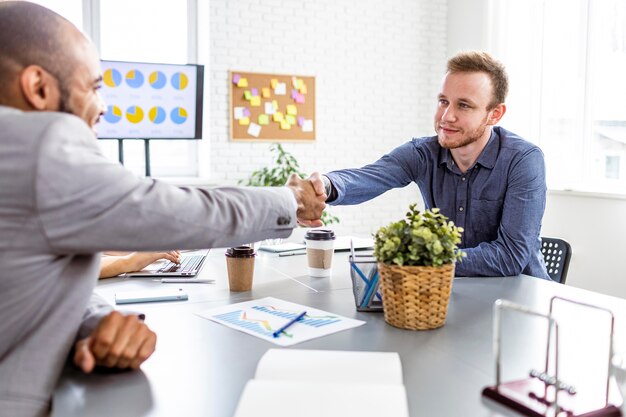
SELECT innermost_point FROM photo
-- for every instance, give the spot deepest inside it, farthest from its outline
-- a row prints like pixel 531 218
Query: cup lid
pixel 320 234
pixel 240 252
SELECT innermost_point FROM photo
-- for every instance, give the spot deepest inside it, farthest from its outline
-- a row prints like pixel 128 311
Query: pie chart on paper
pixel 113 114
pixel 112 78
pixel 157 80
pixel 180 81
pixel 178 115
pixel 134 79
pixel 157 115
pixel 134 114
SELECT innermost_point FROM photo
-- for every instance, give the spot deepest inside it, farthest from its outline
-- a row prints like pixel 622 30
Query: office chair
pixel 556 254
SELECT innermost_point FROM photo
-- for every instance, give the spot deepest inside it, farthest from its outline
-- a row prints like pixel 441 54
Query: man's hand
pixel 121 341
pixel 310 197
pixel 139 260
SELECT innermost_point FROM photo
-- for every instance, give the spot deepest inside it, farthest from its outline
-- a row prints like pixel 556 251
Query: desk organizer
pixel 365 283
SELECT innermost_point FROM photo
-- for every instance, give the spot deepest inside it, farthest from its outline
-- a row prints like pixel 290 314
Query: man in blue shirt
pixel 489 181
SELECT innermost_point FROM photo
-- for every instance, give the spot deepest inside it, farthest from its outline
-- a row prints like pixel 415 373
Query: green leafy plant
pixel 278 174
pixel 422 239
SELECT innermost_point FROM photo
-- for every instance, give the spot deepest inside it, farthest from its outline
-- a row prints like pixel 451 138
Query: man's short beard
pixel 465 141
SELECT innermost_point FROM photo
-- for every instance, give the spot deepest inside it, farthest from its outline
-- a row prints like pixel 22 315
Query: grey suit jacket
pixel 61 203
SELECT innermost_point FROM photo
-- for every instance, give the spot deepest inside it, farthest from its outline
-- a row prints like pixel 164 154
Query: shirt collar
pixel 487 157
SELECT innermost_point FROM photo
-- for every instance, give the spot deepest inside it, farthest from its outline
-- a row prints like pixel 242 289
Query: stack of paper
pixel 318 383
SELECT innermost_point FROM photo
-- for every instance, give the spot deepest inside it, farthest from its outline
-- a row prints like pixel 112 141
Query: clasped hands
pixel 310 196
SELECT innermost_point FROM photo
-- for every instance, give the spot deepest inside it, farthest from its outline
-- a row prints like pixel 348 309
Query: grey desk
pixel 200 367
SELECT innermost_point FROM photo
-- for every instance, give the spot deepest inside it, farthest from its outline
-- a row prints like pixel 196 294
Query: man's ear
pixel 39 88
pixel 496 114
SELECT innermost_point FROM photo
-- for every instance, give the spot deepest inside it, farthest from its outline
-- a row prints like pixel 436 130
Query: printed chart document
pixel 325 383
pixel 261 318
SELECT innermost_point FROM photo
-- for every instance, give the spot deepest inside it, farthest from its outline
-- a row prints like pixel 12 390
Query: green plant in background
pixel 277 175
pixel 422 239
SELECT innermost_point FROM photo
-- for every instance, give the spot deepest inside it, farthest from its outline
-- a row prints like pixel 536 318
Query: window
pixel 566 60
pixel 134 31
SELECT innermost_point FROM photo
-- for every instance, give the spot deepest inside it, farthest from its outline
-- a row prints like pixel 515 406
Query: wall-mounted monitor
pixel 151 101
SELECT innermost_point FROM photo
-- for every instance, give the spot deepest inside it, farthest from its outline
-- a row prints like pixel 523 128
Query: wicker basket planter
pixel 416 297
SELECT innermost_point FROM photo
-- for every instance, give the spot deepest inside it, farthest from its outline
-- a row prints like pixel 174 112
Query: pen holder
pixel 365 283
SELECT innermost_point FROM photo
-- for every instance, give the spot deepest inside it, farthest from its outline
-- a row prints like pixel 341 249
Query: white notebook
pixel 315 383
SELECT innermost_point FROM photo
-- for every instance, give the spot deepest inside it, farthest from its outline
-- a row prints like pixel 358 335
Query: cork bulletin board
pixel 271 107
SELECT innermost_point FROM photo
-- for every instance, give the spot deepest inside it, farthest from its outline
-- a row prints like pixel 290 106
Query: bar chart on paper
pixel 263 317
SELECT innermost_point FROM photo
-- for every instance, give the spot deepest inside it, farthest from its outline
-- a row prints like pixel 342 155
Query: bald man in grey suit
pixel 62 202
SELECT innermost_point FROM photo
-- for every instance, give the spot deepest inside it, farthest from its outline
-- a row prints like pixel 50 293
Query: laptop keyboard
pixel 187 266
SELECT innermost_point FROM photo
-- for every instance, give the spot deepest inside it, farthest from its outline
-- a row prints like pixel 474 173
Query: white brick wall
pixel 377 67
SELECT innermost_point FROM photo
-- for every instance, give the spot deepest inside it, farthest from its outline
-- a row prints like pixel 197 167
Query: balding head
pixel 34 35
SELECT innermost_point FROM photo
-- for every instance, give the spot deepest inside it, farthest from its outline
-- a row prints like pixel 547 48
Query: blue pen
pixel 295 319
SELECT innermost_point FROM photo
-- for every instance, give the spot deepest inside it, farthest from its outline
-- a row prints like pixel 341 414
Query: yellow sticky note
pixel 278 117
pixel 245 121
pixel 274 82
pixel 291 119
pixel 275 103
pixel 291 109
pixel 255 101
pixel 243 82
pixel 284 125
pixel 264 119
pixel 247 95
pixel 265 92
pixel 303 89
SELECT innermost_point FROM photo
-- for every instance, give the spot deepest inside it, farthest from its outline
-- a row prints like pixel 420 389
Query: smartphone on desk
pixel 148 296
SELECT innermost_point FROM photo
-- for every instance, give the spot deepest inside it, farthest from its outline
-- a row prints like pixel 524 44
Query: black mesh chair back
pixel 556 254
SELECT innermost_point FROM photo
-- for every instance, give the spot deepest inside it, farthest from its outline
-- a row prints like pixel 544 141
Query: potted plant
pixel 416 258
pixel 277 175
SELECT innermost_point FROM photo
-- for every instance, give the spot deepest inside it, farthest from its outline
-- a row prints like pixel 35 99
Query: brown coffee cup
pixel 240 265
pixel 319 250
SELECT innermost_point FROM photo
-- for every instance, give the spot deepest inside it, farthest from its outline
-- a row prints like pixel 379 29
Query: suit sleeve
pixel 89 203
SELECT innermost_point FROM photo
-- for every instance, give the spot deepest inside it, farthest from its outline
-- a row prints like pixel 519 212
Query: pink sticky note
pixel 246 112
pixel 299 98
pixel 300 120
pixel 255 92
pixel 236 78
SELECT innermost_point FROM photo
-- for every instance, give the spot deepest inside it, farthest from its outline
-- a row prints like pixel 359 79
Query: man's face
pixel 80 94
pixel 462 117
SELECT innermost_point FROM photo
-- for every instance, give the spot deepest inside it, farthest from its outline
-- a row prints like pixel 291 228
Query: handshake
pixel 311 198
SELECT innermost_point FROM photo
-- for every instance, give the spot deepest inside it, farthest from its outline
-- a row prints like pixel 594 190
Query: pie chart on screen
pixel 112 78
pixel 180 81
pixel 113 114
pixel 157 80
pixel 157 115
pixel 178 115
pixel 134 79
pixel 134 114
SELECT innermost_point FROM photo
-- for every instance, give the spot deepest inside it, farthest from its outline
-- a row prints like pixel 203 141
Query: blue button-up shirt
pixel 499 201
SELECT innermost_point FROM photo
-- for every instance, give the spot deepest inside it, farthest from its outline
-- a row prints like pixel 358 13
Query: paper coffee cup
pixel 320 245
pixel 240 265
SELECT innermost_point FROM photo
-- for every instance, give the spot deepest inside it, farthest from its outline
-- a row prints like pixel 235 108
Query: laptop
pixel 190 264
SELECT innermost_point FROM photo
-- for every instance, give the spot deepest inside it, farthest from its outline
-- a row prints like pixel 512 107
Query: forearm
pixel 112 266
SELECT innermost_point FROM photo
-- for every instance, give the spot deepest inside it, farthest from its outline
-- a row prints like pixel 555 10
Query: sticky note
pixel 255 92
pixel 236 78
pixel 284 125
pixel 264 119
pixel 303 89
pixel 278 117
pixel 281 89
pixel 247 95
pixel 244 121
pixel 246 112
pixel 275 103
pixel 291 109
pixel 242 82
pixel 294 93
pixel 269 108
pixel 307 126
pixel 300 120
pixel 255 101
pixel 274 82
pixel 254 130
pixel 239 113
pixel 299 98
pixel 297 82
pixel 291 119
pixel 265 92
